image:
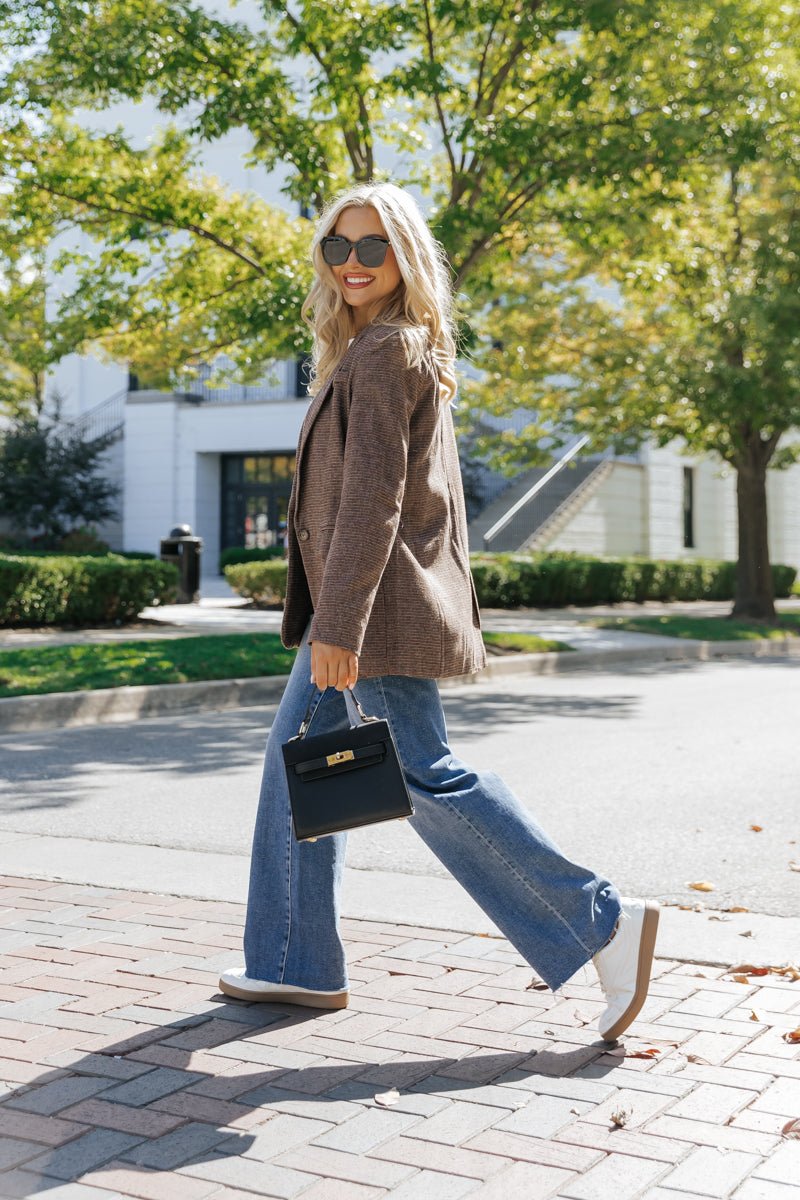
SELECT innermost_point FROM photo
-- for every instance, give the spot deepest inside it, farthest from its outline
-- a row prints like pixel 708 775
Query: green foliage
pixel 81 590
pixel 262 582
pixel 246 554
pixel 552 580
pixel 173 266
pixel 51 480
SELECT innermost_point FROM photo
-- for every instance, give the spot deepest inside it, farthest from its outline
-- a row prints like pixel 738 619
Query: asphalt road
pixel 652 775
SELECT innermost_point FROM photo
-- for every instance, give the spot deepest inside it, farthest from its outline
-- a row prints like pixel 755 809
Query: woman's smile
pixel 358 281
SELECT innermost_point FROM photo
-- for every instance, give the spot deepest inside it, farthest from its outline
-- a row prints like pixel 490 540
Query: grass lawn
pixel 522 643
pixel 34 670
pixel 706 629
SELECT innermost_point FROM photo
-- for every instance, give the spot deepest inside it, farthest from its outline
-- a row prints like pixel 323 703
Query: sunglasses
pixel 370 251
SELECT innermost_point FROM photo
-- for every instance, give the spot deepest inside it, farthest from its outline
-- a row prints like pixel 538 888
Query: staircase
pixel 106 417
pixel 554 494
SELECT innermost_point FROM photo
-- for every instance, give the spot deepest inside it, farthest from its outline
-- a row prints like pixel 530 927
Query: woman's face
pixel 364 288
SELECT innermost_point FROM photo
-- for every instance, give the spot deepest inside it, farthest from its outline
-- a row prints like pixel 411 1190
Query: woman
pixel 379 593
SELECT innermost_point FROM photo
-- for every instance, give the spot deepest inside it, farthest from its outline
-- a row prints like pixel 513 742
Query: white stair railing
pixel 534 491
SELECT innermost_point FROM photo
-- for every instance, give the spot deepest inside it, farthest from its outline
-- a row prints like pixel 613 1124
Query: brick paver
pixel 124 1073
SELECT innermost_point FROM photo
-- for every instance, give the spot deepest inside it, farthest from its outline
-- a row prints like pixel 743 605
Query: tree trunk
pixel 755 596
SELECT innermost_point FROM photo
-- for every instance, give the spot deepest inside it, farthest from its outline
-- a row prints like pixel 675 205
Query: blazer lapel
pixel 310 417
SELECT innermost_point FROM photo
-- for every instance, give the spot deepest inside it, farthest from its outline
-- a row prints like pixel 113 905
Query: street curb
pixel 59 710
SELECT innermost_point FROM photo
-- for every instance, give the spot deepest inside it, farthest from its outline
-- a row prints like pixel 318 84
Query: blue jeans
pixel 556 913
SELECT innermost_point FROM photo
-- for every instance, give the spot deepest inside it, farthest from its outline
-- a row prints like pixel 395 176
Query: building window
pixel 254 497
pixel 688 507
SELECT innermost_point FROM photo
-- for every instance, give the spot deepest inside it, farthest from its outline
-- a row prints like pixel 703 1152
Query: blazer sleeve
pixel 384 391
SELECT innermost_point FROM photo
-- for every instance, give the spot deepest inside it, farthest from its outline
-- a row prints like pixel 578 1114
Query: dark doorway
pixel 255 496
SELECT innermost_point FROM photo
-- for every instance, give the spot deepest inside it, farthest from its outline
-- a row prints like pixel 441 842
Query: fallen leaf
pixel 792 1035
pixel 701 887
pixel 789 972
pixel 385 1099
pixel 746 933
pixel 713 918
pixel 620 1117
pixel 736 908
pixel 754 1015
pixel 756 828
pixel 651 1052
pixel 793 866
pixel 695 1058
pixel 792 1128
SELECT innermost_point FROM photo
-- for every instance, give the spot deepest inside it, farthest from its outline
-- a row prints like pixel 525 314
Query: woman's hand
pixel 333 666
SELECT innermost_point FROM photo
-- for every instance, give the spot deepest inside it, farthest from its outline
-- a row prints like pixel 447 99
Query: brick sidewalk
pixel 129 1075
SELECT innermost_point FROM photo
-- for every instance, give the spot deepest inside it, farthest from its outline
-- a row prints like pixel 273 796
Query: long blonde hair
pixel 421 305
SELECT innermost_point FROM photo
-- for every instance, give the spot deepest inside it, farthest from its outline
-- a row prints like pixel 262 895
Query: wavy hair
pixel 421 304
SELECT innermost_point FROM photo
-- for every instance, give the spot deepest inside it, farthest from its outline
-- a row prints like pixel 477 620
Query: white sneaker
pixel 624 965
pixel 234 982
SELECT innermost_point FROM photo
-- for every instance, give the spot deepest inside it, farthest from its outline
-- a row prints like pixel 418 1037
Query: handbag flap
pixel 350 757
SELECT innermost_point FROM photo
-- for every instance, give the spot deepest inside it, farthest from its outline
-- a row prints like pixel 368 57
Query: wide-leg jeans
pixel 555 912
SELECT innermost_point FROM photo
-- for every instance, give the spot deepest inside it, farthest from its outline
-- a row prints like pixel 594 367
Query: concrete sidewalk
pixel 453 1072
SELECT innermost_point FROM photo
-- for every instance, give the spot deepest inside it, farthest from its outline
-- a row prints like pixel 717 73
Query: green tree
pixel 704 348
pixel 489 107
pixel 51 480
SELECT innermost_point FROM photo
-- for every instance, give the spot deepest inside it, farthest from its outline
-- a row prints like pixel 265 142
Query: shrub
pixel 262 582
pixel 83 540
pixel 246 554
pixel 81 590
pixel 552 580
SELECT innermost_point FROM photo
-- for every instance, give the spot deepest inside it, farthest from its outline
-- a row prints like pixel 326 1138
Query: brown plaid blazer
pixel 376 523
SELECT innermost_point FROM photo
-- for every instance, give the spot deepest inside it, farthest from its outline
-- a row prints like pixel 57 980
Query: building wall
pixel 172 461
pixel 639 510
pixel 612 519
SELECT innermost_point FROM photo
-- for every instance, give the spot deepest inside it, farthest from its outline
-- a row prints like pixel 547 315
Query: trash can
pixel 184 550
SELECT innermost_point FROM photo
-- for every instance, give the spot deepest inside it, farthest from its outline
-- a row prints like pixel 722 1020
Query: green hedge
pixel 247 554
pixel 262 582
pixel 81 589
pixel 552 580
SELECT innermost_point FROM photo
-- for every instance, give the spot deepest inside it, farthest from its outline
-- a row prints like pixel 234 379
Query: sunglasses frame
pixel 370 237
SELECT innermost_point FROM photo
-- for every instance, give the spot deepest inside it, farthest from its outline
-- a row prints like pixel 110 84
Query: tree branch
pixel 359 148
pixel 189 227
pixel 437 100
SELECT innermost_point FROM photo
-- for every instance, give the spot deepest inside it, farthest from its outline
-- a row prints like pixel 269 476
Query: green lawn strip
pixel 35 670
pixel 706 629
pixel 525 643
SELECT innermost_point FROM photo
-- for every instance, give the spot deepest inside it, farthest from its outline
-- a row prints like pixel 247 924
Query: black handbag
pixel 346 778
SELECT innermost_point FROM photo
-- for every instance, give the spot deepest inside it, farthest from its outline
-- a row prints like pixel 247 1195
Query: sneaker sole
pixel 647 947
pixel 308 1000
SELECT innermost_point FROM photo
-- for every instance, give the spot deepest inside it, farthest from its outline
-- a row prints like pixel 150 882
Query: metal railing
pixel 197 388
pixel 106 417
pixel 534 492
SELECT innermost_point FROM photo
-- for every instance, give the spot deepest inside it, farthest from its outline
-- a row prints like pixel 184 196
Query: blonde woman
pixel 380 599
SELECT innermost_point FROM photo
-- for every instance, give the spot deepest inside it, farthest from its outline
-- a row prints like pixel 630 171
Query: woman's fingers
pixel 333 666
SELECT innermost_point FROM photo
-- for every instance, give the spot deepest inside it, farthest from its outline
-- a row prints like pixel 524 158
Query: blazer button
pixel 303 535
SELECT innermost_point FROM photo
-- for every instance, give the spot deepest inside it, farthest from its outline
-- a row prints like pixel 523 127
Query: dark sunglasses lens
pixel 335 250
pixel 372 252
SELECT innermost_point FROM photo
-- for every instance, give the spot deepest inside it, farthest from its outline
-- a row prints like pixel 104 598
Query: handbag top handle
pixel 307 719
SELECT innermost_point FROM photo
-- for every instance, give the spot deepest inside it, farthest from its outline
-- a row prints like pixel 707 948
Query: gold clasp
pixel 339 756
